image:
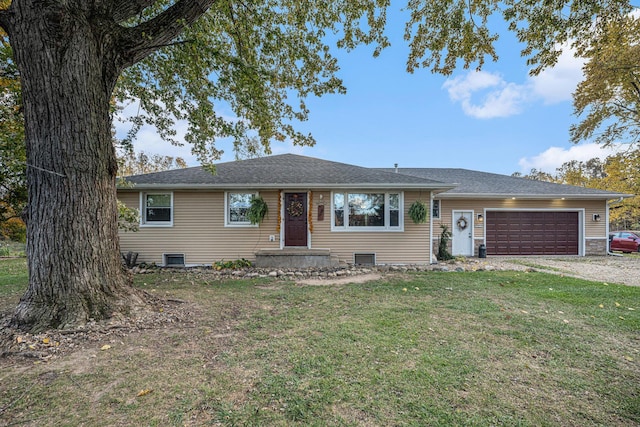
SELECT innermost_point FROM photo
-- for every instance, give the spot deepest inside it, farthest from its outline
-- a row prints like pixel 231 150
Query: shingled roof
pixel 289 171
pixel 283 171
pixel 476 184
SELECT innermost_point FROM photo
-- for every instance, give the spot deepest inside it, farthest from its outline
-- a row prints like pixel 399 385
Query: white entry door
pixel 462 233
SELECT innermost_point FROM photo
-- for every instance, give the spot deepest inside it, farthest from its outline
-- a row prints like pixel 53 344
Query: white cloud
pixel 498 97
pixel 148 140
pixel 554 157
pixel 557 84
pixel 487 95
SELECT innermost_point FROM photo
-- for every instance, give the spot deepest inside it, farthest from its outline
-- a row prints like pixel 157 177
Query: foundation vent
pixel 173 260
pixel 364 259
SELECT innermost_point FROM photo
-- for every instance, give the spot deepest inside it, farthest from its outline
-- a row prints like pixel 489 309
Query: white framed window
pixel 435 211
pixel 367 211
pixel 236 206
pixel 156 209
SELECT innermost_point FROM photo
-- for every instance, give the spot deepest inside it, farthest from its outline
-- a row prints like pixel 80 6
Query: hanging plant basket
pixel 257 210
pixel 418 212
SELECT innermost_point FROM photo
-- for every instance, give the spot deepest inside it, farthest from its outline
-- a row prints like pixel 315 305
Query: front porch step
pixel 295 258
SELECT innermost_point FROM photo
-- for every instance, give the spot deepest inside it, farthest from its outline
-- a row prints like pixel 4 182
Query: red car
pixel 624 241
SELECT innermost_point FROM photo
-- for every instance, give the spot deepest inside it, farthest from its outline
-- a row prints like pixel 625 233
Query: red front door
pixel 295 219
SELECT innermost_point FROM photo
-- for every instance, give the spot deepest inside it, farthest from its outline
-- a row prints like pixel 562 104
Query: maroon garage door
pixel 531 233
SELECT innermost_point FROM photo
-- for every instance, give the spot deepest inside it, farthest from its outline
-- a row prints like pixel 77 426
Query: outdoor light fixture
pixel 480 218
pixel 596 217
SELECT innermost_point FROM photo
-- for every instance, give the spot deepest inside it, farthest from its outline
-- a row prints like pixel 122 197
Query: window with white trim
pixel 363 211
pixel 157 209
pixel 237 205
pixel 436 209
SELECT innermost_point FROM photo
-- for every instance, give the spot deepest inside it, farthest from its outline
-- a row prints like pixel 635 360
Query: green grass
pixel 437 349
pixel 11 249
pixel 13 281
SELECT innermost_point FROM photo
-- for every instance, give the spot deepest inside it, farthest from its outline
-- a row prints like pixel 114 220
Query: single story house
pixel 353 214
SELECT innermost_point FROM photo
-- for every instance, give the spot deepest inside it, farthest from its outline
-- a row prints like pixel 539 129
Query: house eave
pixel 285 186
pixel 604 196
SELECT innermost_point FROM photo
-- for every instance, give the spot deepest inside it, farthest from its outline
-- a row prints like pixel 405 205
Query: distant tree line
pixel 619 173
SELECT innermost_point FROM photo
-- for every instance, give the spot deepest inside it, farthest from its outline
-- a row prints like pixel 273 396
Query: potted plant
pixel 257 210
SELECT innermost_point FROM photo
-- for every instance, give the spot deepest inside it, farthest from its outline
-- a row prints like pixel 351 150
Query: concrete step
pixel 295 258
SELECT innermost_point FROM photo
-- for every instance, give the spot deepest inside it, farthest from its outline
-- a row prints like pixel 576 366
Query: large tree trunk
pixel 75 272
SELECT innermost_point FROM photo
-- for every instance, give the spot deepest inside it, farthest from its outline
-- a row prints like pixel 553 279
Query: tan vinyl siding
pixel 408 247
pixel 478 206
pixel 198 230
pixel 595 233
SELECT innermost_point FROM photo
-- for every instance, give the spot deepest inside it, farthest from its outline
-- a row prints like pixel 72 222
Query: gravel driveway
pixel 609 269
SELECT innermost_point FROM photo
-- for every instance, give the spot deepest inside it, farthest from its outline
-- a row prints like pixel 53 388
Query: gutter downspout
pixel 607 217
pixel 432 258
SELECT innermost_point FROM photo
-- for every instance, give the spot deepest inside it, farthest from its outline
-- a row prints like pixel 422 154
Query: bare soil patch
pixel 330 281
pixel 607 269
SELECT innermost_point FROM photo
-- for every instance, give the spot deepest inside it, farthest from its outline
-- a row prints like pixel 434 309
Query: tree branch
pixel 121 10
pixel 635 86
pixel 144 39
pixel 5 20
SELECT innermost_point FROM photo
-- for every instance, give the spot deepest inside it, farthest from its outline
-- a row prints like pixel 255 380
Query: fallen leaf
pixel 565 321
pixel 617 304
pixel 601 306
pixel 631 309
pixel 144 392
pixel 525 312
pixel 620 317
pixel 105 347
pixel 45 340
pixel 629 358
pixel 19 339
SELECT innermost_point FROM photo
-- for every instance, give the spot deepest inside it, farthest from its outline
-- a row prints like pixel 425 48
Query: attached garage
pixel 532 232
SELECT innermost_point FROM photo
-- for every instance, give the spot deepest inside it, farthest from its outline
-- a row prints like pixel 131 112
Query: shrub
pixel 239 263
pixel 14 229
pixel 443 251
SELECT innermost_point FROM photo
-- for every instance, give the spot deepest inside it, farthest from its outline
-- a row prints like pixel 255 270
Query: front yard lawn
pixel 433 348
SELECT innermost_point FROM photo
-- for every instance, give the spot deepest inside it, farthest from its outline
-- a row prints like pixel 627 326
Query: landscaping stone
pixel 342 271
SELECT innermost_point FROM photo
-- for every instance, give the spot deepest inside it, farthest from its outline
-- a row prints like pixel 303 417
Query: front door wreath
pixel 462 223
pixel 295 208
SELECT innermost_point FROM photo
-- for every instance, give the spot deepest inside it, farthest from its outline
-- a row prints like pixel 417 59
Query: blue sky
pixel 499 120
